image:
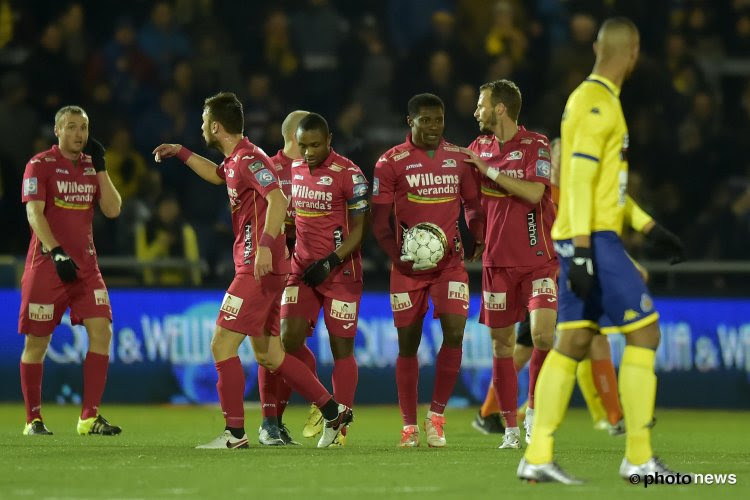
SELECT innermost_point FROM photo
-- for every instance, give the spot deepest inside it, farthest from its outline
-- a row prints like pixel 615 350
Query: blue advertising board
pixel 161 351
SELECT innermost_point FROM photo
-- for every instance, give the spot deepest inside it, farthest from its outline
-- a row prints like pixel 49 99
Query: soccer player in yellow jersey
pixel 597 279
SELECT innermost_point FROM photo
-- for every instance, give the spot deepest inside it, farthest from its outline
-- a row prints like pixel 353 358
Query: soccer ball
pixel 424 244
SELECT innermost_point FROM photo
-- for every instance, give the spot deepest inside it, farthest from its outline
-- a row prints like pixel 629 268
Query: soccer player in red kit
pixel 60 188
pixel 425 179
pixel 519 265
pixel 274 393
pixel 251 304
pixel 330 200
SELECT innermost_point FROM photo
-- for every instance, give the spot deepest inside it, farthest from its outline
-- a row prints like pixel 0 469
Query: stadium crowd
pixel 141 70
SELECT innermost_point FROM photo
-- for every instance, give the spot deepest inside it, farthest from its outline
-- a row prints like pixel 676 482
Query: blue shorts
pixel 619 301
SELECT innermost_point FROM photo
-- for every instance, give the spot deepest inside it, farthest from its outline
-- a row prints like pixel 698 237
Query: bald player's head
pixel 618 43
pixel 289 126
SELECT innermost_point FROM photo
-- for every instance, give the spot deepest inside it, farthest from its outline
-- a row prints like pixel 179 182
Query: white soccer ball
pixel 424 244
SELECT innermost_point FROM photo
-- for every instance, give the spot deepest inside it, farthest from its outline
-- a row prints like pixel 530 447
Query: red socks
pixel 505 379
pixel 447 367
pixel 305 355
pixel 31 386
pixel 535 364
pixel 231 387
pixel 299 378
pixel 344 380
pixel 283 391
pixel 407 381
pixel 94 379
pixel 268 390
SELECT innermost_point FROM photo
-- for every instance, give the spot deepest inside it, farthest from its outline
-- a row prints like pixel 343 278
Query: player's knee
pixel 453 338
pixel 542 339
pixel 647 337
pixel 267 360
pixel 35 349
pixel 574 344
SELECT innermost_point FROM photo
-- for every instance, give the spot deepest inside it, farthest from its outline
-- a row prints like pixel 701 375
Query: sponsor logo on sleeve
pixel 458 290
pixel 264 177
pixel 358 179
pixel 514 155
pixel 30 186
pixel 360 189
pixel 494 301
pixel 290 295
pixel 544 153
pixel 449 163
pixel 531 228
pixel 101 297
pixel 335 167
pixel 400 156
pixel 41 312
pixel 231 306
pixel 376 186
pixel 344 311
pixel 255 166
pixel 325 181
pixel 89 171
pixel 544 286
pixel 400 302
pixel 543 168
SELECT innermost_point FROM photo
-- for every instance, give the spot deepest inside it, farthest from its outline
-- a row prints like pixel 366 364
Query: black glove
pixel 64 265
pixel 95 149
pixel 317 272
pixel 666 241
pixel 581 272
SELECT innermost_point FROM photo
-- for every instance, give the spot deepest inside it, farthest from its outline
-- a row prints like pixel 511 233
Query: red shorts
pixel 45 298
pixel 448 288
pixel 340 303
pixel 508 292
pixel 251 307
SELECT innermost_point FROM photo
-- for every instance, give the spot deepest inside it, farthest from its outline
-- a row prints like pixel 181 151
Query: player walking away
pixel 425 179
pixel 599 280
pixel 274 393
pixel 60 188
pixel 330 200
pixel 251 304
pixel 519 265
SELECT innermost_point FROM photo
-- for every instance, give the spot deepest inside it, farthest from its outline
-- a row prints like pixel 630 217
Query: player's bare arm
pixel 275 215
pixel 40 225
pixel 200 165
pixel 529 191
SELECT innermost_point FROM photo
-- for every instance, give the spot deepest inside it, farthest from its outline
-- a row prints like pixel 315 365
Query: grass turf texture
pixel 154 457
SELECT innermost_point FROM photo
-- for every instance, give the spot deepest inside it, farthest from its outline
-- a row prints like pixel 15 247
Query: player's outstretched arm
pixel 200 165
pixel 275 215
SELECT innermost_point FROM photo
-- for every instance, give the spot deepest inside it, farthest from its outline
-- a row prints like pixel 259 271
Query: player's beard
pixel 213 142
pixel 487 127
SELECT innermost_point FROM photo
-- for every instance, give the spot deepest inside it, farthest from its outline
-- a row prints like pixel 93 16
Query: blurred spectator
pixel 52 81
pixel 443 37
pixel 504 36
pixel 215 66
pixel 260 107
pixel 578 53
pixel 278 53
pixel 162 40
pixel 348 138
pixel 73 35
pixel 460 125
pixel 18 128
pixel 165 235
pixel 125 165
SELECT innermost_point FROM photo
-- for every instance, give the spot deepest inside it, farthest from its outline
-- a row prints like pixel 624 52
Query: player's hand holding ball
pixel 581 272
pixel 95 149
pixel 317 272
pixel 64 265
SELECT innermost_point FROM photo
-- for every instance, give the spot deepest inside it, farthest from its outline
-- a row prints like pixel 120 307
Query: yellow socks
pixel 638 394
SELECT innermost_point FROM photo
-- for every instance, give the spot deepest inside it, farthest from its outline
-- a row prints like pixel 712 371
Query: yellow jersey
pixel 593 162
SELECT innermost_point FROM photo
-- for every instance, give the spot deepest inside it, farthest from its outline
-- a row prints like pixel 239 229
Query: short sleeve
pixel 259 171
pixel 538 163
pixel 220 171
pixel 384 182
pixel 356 190
pixel 34 181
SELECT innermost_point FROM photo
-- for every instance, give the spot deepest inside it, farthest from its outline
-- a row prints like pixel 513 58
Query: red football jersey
pixel 282 164
pixel 70 191
pixel 424 189
pixel 518 232
pixel 323 199
pixel 250 176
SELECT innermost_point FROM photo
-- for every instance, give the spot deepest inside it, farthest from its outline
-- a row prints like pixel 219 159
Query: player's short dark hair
pixel 423 101
pixel 65 110
pixel 226 109
pixel 314 121
pixel 507 93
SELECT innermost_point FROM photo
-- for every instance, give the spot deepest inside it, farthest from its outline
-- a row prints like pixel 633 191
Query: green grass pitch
pixel 154 458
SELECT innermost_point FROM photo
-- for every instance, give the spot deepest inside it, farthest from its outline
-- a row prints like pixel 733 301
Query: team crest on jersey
pixel 41 312
pixel 30 186
pixel 264 177
pixel 344 311
pixel 231 305
pixel 290 295
pixel 325 181
pixel 400 156
pixel 400 302
pixel 335 167
pixel 544 286
pixel 449 163
pixel 514 155
pixel 89 171
pixel 101 297
pixel 543 168
pixel 256 166
pixel 376 186
pixel 458 290
pixel 494 301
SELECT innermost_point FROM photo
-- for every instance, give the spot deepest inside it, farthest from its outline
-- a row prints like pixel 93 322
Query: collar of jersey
pixel 326 163
pixel 410 144
pixel 60 157
pixel 244 143
pixel 614 89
